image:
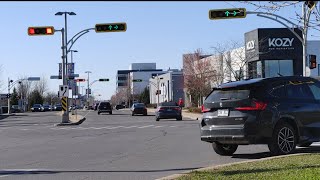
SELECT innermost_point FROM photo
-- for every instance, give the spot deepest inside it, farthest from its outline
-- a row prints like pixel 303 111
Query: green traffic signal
pixel 103 79
pixel 111 27
pixel 137 80
pixel 227 13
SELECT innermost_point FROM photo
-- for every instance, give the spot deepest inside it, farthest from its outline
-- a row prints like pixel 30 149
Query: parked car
pixel 104 107
pixel 15 109
pixel 58 107
pixel 119 106
pixel 281 112
pixel 45 108
pixel 36 108
pixel 167 110
pixel 138 108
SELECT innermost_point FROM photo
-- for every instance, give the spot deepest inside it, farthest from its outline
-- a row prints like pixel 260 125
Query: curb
pixel 71 123
pixel 175 176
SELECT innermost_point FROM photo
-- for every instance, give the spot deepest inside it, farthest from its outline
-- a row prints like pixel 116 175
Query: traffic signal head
pixel 137 80
pixel 312 61
pixel 44 30
pixel 103 79
pixel 80 80
pixel 111 27
pixel 215 14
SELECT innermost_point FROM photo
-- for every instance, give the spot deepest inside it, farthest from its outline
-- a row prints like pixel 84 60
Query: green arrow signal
pixel 227 13
pixel 116 27
pixel 110 27
pixel 234 13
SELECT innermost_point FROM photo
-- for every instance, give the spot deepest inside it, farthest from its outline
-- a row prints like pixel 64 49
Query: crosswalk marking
pixel 158 126
pixel 130 127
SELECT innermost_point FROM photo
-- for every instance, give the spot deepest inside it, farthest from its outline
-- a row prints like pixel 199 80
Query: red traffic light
pixel 45 30
pixel 80 80
pixel 312 61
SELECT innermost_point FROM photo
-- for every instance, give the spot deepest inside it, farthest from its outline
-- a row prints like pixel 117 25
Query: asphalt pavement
pixel 116 147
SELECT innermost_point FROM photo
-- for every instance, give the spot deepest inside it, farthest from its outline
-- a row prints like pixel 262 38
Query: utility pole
pixel 88 88
pixel 9 109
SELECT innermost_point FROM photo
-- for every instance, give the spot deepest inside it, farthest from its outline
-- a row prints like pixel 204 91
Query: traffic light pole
pixel 65 116
pixel 9 111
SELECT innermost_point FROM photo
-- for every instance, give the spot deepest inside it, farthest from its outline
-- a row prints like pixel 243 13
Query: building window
pixel 122 84
pixel 274 68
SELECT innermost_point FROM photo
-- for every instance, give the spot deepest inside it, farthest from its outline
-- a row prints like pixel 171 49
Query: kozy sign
pixel 281 43
pixel 250 45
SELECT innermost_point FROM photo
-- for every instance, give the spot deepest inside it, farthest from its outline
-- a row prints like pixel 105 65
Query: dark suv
pixel 104 107
pixel 281 112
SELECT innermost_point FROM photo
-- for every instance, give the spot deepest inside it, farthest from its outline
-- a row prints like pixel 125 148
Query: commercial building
pixel 166 87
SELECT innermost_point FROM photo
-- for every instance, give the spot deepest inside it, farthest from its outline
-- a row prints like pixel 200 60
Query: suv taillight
pixel 203 109
pixel 257 105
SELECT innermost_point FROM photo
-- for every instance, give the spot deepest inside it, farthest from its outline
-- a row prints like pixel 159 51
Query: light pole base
pixel 65 118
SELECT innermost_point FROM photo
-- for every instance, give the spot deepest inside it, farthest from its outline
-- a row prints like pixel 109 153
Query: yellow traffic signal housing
pixel 39 31
pixel 111 27
pixel 215 14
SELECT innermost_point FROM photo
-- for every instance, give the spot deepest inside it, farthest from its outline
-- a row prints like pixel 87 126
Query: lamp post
pixel 66 32
pixel 12 83
pixel 88 87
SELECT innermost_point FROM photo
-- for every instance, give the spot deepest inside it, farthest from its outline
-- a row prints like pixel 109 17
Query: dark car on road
pixel 58 107
pixel 119 106
pixel 282 112
pixel 104 107
pixel 167 110
pixel 46 108
pixel 139 108
pixel 36 108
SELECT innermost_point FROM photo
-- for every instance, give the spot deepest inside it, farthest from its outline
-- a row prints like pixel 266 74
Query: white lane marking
pixel 173 126
pixel 35 124
pixel 25 129
pixel 115 127
pixel 146 126
pixel 130 126
pixel 158 126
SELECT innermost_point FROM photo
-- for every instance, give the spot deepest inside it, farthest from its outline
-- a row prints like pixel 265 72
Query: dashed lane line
pixel 146 126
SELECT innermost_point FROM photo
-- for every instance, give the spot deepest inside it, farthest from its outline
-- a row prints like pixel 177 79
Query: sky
pixel 157 32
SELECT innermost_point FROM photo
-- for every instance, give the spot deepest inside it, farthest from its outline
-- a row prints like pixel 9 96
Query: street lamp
pixel 65 32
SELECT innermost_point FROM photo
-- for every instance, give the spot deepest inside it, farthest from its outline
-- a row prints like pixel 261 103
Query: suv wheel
pixel 110 112
pixel 157 119
pixel 98 113
pixel 224 149
pixel 283 139
pixel 132 114
pixel 179 118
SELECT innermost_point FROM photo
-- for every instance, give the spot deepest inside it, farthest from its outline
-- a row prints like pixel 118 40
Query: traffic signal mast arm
pixel 77 36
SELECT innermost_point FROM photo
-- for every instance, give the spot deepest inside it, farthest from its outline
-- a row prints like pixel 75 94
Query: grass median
pixel 305 166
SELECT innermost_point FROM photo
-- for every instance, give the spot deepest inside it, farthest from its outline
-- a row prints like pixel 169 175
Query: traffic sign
pixel 111 27
pixel 55 77
pixel 63 90
pixel 60 69
pixel 33 78
pixel 215 14
pixel 64 103
pixel 103 79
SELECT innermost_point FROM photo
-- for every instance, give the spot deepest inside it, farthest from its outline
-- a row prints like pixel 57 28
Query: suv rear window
pixel 169 104
pixel 228 94
pixel 104 104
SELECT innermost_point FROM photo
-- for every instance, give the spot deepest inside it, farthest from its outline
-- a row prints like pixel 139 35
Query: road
pixel 116 147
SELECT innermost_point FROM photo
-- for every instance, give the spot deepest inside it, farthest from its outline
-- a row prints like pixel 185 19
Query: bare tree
pixel 198 73
pixel 42 86
pixel 234 60
pixel 51 98
pixel 274 6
